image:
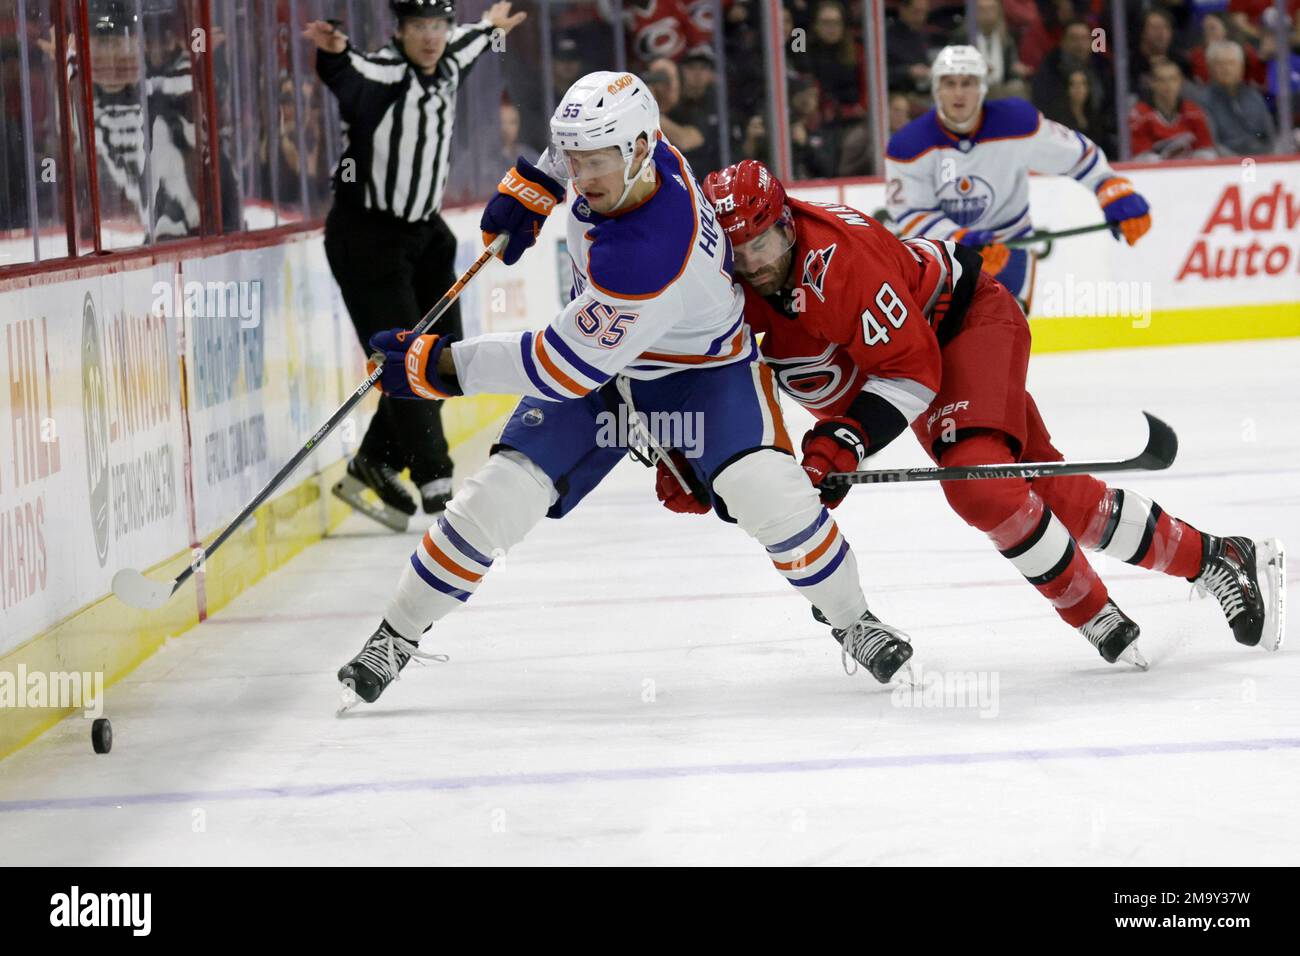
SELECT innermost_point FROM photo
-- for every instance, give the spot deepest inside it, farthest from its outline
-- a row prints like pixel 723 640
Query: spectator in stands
pixel 752 143
pixel 832 60
pixel 1169 126
pixel 994 41
pixel 566 63
pixel 1078 110
pixel 1074 53
pixel 745 75
pixel 900 112
pixel 907 48
pixel 665 83
pixel 1255 20
pixel 663 28
pixel 1238 114
pixel 1215 28
pixel 697 108
pixel 812 146
pixel 1155 43
pixel 1044 32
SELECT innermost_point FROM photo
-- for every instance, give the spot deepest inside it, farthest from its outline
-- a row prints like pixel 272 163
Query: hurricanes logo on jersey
pixel 815 265
pixel 964 199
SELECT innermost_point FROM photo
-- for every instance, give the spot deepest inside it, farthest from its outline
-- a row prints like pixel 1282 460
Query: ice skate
pixel 394 507
pixel 378 664
pixel 880 648
pixel 1248 579
pixel 434 495
pixel 1115 636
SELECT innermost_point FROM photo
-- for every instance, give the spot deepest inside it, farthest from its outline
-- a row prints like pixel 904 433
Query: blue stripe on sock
pixel 435 582
pixel 827 571
pixel 461 544
pixel 791 543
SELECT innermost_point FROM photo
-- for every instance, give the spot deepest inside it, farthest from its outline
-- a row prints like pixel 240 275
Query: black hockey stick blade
pixel 1159 453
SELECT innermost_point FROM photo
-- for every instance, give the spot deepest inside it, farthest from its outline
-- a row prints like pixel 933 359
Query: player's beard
pixel 771 279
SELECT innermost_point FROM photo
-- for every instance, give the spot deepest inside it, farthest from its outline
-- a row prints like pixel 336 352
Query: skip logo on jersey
pixel 815 265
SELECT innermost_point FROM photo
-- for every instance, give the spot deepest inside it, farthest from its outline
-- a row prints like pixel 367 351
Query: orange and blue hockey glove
pixel 1125 209
pixel 524 198
pixel 410 367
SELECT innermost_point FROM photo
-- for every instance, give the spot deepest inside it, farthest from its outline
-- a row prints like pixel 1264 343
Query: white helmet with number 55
pixel 606 109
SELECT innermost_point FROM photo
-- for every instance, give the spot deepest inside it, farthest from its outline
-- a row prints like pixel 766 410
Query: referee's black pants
pixel 391 273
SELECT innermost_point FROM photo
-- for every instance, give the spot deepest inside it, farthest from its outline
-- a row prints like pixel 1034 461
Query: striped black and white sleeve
pixel 467 43
pixel 364 83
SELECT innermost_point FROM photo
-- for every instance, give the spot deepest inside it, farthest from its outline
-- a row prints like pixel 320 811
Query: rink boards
pixel 138 419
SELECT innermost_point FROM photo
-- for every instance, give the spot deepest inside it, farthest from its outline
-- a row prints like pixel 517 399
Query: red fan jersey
pixel 865 322
pixel 668 27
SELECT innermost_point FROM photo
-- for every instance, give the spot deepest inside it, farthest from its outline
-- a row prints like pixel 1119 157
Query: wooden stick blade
pixel 133 588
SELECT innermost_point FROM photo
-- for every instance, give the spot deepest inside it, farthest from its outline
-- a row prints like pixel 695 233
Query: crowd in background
pixel 1202 82
pixel 1201 77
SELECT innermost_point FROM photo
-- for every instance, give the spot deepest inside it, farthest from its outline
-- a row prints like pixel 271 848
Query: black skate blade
pixel 353 493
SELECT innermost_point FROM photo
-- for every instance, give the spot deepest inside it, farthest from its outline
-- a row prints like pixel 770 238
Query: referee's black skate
pixel 434 495
pixel 879 647
pixel 1115 636
pixel 380 662
pixel 395 505
pixel 1248 579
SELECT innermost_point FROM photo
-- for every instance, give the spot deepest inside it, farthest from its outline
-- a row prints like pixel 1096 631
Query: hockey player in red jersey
pixel 873 334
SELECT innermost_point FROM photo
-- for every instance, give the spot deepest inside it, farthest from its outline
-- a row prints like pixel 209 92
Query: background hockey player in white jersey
pixel 655 323
pixel 961 171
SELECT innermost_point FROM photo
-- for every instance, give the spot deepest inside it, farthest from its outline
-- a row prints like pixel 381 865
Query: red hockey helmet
pixel 747 199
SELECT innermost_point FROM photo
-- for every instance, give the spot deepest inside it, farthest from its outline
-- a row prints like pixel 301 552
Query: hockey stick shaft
pixel 1034 238
pixel 1159 453
pixel 342 412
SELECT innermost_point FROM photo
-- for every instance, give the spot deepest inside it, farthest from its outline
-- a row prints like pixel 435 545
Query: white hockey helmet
pixel 604 109
pixel 959 61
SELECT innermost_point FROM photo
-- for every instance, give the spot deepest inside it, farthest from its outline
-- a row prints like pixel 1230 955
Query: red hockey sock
pixel 1133 528
pixel 1023 528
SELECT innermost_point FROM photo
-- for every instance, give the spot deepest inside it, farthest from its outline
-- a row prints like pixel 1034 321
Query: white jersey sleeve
pixel 652 295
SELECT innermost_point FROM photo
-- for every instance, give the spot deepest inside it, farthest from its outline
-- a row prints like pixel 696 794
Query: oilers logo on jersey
pixel 964 199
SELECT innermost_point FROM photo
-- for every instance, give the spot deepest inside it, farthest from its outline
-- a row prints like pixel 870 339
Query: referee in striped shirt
pixel 389 249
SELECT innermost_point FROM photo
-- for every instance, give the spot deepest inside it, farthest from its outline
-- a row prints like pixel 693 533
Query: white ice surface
pixel 631 686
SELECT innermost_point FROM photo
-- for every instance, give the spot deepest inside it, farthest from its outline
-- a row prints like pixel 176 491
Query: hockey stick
pixel 882 215
pixel 1159 453
pixel 135 589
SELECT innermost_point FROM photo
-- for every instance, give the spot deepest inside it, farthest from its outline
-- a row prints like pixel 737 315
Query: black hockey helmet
pixel 444 9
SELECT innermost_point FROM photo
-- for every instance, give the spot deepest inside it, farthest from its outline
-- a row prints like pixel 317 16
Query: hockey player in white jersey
pixel 961 171
pixel 655 323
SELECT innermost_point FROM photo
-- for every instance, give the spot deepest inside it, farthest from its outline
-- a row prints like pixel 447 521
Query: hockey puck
pixel 101 735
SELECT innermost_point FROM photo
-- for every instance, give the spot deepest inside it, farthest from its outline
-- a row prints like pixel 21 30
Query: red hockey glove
pixel 673 495
pixel 836 444
pixel 410 365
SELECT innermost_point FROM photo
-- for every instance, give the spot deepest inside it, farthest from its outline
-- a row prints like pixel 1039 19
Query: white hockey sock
pixel 496 508
pixel 771 498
